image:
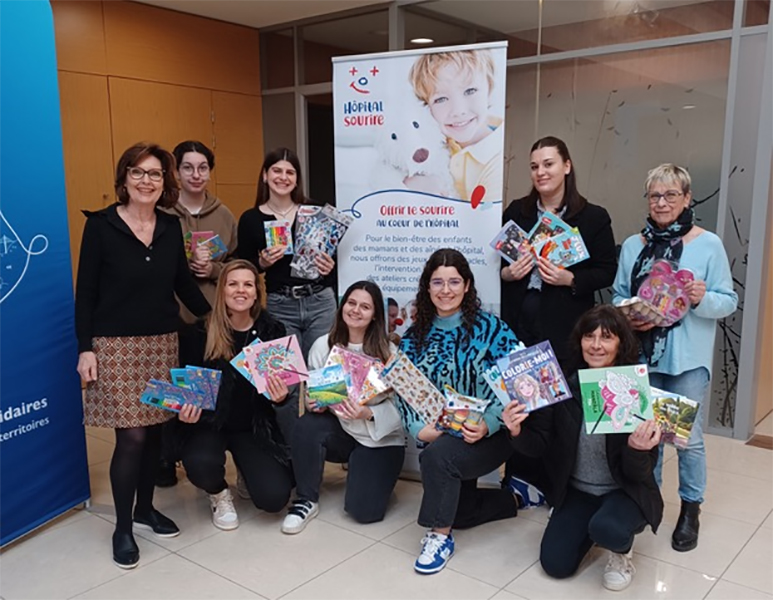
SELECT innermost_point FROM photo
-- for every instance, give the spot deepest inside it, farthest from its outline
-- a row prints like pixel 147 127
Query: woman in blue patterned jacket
pixel 452 341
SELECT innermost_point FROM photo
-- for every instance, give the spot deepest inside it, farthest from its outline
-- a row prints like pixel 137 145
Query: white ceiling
pixel 259 13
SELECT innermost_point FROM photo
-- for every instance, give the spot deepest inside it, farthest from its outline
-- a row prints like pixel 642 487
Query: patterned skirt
pixel 124 366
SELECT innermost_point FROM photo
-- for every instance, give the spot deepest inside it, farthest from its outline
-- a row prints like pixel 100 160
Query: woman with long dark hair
pixel 370 438
pixel 452 341
pixel 132 263
pixel 539 300
pixel 602 487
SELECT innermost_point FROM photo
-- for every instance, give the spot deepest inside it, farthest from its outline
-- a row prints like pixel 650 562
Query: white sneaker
pixel 619 571
pixel 241 486
pixel 298 516
pixel 223 512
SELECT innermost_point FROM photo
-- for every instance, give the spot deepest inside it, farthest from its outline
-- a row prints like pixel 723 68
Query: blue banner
pixel 43 465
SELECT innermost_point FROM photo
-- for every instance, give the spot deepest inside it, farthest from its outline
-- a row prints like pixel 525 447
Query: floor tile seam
pixel 121 574
pixel 728 471
pixel 504 588
pixel 375 539
pixel 719 516
pixel 737 556
pixel 318 575
pixel 220 575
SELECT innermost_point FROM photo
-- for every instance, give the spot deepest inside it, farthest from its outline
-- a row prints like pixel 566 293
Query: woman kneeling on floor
pixel 244 421
pixel 602 487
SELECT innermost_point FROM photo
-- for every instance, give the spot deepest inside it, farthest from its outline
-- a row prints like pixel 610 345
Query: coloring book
pixel 511 242
pixel 281 357
pixel 533 377
pixel 676 416
pixel 279 233
pixel 615 399
pixel 328 386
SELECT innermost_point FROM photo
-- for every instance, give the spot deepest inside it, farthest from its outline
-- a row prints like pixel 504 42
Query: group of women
pixel 603 489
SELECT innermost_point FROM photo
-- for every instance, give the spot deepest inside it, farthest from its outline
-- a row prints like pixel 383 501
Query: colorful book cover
pixel 676 416
pixel 216 246
pixel 563 250
pixel 511 242
pixel 239 363
pixel 202 378
pixel 354 364
pixel 193 238
pixel 615 399
pixel 661 298
pixel 374 387
pixel 548 225
pixel 493 377
pixel 414 387
pixel 281 357
pixel 459 410
pixel 319 229
pixel 533 377
pixel 279 233
pixel 162 394
pixel 328 386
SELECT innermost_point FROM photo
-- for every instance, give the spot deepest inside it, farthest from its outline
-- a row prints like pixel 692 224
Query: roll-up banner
pixel 419 141
pixel 43 465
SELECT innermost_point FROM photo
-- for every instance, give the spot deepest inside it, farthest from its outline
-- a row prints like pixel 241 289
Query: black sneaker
pixel 159 524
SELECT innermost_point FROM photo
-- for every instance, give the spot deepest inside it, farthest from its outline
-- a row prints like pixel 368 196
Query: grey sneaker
pixel 223 512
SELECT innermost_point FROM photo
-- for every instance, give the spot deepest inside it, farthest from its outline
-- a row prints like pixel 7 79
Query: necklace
pixel 279 212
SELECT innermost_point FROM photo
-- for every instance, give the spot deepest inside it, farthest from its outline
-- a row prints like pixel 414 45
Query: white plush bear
pixel 410 144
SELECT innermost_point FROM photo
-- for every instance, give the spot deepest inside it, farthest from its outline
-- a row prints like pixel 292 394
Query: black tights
pixel 133 472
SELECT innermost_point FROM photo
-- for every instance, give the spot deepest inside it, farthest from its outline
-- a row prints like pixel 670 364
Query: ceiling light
pixel 421 40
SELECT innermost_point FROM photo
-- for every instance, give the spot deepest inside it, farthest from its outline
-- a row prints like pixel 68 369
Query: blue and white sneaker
pixel 437 550
pixel 528 495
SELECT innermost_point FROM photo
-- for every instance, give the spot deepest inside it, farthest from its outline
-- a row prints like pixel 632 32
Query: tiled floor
pixel 337 558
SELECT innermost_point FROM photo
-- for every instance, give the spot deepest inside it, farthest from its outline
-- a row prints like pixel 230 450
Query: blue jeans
pixel 308 318
pixel 692 460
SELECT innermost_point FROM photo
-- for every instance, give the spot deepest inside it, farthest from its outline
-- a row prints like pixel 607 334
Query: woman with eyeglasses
pixel 132 263
pixel 452 341
pixel 198 210
pixel 541 301
pixel 680 356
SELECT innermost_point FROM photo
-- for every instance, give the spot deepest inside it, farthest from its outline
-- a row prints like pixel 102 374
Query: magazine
pixel 615 399
pixel 533 377
pixel 459 410
pixel 662 298
pixel 511 242
pixel 279 233
pixel 328 386
pixel 319 230
pixel 414 387
pixel 281 357
pixel 676 416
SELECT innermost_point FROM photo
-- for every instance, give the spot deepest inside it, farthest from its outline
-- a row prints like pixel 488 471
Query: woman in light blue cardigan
pixel 680 356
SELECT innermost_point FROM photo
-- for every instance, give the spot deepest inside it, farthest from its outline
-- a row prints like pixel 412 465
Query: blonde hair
pixel 423 75
pixel 667 173
pixel 219 338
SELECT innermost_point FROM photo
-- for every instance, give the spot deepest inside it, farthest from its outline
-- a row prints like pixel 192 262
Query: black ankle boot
pixel 126 554
pixel 686 531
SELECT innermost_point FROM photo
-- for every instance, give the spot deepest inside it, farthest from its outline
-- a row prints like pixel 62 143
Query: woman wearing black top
pixel 306 307
pixel 244 421
pixel 132 263
pixel 539 300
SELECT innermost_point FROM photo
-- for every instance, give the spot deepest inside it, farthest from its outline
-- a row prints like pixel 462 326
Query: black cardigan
pixel 550 435
pixel 234 385
pixel 125 288
pixel 560 308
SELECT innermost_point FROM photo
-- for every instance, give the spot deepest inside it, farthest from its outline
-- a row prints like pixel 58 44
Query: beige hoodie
pixel 214 216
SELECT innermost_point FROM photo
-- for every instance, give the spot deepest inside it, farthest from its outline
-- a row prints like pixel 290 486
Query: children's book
pixel 319 230
pixel 563 250
pixel 533 377
pixel 354 364
pixel 239 363
pixel 216 246
pixel 279 233
pixel 168 396
pixel 459 410
pixel 374 387
pixel 414 387
pixel 676 416
pixel 281 357
pixel 493 377
pixel 511 242
pixel 615 399
pixel 328 386
pixel 662 298
pixel 547 226
pixel 193 239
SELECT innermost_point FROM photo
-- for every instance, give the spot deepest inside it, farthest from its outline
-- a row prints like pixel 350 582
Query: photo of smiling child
pixel 457 88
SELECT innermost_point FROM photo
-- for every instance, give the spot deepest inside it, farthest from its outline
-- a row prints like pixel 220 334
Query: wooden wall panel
pixel 87 148
pixel 765 382
pixel 156 112
pixel 145 42
pixel 80 38
pixel 238 137
pixel 238 197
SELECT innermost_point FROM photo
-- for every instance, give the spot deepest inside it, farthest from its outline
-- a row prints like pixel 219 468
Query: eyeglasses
pixel 671 196
pixel 454 285
pixel 189 170
pixel 153 174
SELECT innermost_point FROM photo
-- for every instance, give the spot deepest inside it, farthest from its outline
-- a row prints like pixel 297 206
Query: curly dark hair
pixel 611 320
pixel 425 309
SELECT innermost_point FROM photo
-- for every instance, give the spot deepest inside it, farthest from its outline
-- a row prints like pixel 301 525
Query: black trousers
pixel 611 521
pixel 372 475
pixel 268 480
pixel 450 468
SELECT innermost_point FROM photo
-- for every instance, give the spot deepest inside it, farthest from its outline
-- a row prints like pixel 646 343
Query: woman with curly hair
pixel 452 341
